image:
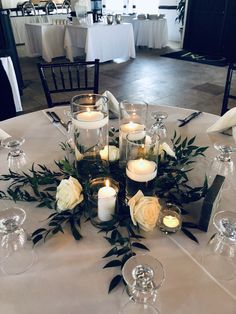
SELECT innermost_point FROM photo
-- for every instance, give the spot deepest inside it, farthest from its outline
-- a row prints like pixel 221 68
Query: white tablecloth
pixel 100 41
pixel 18 24
pixel 150 33
pixel 46 40
pixel 68 277
pixel 9 69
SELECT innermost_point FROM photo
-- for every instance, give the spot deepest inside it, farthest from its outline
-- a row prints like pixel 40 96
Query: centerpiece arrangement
pixel 147 187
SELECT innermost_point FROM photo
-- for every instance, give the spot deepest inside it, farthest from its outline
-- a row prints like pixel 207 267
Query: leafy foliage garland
pixel 171 184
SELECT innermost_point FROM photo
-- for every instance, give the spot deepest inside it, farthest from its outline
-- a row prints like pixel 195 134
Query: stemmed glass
pixel 144 275
pixel 17 254
pixel 222 165
pixel 16 157
pixel 158 126
pixel 219 257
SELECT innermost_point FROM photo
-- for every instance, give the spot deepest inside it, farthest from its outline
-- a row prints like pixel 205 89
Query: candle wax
pixel 90 116
pixel 141 170
pixel 171 221
pixel 131 127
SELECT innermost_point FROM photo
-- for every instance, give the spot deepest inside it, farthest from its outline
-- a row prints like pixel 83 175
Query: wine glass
pixel 158 126
pixel 16 157
pixel 219 257
pixel 17 254
pixel 144 275
pixel 223 165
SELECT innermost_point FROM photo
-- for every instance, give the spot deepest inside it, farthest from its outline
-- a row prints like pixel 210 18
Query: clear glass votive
pixel 141 169
pixel 90 128
pixel 170 220
pixel 132 118
pixel 103 200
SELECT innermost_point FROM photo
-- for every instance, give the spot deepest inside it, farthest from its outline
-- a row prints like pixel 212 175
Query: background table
pixel 150 33
pixel 68 277
pixel 18 24
pixel 100 41
pixel 9 69
pixel 44 39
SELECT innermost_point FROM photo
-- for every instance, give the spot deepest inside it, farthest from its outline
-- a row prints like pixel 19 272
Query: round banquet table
pixel 68 276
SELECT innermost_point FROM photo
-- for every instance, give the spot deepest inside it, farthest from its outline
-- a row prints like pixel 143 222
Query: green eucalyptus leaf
pixel 114 263
pixel 122 251
pixel 140 246
pixel 189 234
pixel 37 238
pixel 41 230
pixel 111 252
pixel 114 282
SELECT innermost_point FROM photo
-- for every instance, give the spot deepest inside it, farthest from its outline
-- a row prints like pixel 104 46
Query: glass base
pixel 96 222
pixel 18 261
pixel 132 307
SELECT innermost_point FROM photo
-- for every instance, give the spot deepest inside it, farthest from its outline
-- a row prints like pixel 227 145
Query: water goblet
pixel 144 275
pixel 158 126
pixel 19 255
pixel 223 165
pixel 219 256
pixel 16 157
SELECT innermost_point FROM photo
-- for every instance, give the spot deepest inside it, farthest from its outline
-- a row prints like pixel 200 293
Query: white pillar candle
pixel 90 119
pixel 141 170
pixel 106 202
pixel 171 221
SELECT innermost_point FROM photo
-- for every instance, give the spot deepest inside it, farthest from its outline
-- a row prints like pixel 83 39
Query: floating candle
pixel 141 170
pixel 131 127
pixel 106 202
pixel 90 119
pixel 171 221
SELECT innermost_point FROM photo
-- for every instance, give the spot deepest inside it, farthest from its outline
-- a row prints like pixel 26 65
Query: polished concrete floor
pixel 149 78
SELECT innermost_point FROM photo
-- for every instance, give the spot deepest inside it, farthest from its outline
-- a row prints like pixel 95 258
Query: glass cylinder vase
pixel 141 169
pixel 90 127
pixel 132 118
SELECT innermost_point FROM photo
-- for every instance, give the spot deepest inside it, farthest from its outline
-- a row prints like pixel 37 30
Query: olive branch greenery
pixel 39 185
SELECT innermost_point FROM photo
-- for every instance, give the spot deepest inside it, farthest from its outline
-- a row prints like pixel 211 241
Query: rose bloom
pixel 144 210
pixel 111 151
pixel 68 194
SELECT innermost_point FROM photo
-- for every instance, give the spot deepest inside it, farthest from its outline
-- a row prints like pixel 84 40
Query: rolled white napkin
pixel 226 122
pixel 113 104
pixel 3 135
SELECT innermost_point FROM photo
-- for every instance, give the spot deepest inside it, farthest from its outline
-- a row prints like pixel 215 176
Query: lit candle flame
pixel 107 183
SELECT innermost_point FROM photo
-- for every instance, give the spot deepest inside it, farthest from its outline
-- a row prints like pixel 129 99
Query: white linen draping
pixel 100 41
pixel 9 69
pixel 150 33
pixel 68 276
pixel 45 40
pixel 18 24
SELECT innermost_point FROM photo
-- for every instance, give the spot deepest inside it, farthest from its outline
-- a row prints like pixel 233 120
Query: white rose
pixel 164 147
pixel 111 151
pixel 68 194
pixel 144 210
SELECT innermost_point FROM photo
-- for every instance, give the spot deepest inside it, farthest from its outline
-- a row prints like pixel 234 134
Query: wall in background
pixel 173 26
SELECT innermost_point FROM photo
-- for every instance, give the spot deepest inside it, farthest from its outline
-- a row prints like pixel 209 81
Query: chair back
pixel 227 93
pixel 57 78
